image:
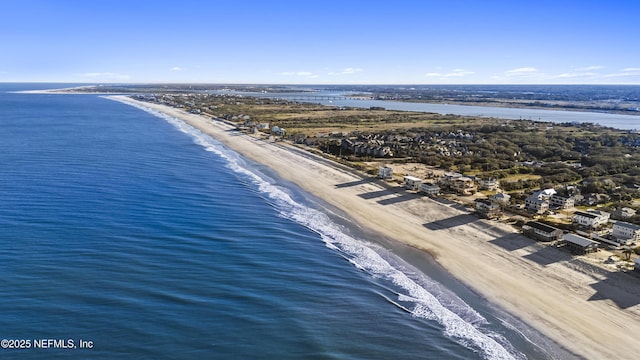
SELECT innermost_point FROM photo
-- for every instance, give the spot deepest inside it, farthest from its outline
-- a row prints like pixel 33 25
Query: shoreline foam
pixel 558 298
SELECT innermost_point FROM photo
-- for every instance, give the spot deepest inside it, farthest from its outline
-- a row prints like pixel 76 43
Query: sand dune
pixel 588 310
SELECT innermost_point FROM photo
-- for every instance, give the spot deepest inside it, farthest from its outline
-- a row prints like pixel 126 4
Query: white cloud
pixel 106 76
pixel 346 71
pixel 631 70
pixel 521 71
pixel 297 73
pixel 176 68
pixel 575 75
pixel 453 73
pixel 590 68
pixel 351 70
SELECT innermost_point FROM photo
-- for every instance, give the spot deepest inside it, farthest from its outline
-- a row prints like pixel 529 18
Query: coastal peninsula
pixel 587 309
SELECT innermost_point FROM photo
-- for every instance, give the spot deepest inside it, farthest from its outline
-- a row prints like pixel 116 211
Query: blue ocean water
pixel 151 240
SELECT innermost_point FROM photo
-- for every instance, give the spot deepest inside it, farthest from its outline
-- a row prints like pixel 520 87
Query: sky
pixel 321 42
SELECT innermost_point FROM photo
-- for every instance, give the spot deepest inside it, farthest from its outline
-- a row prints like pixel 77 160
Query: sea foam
pixel 417 293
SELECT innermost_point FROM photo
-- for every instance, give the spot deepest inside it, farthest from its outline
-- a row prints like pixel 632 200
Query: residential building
pixel 430 188
pixel 536 205
pixel 501 198
pixel 591 219
pixel 542 232
pixel 560 202
pixel 624 213
pixel 412 182
pixel 539 201
pixel 578 244
pixel 464 186
pixel 625 231
pixel 385 172
pixel 488 208
pixel 448 178
pixel 490 184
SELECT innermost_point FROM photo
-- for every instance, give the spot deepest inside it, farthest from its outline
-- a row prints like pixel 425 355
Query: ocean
pixel 128 234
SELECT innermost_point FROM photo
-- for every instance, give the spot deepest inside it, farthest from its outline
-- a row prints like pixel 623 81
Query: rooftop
pixel 627 225
pixel 579 240
pixel 542 227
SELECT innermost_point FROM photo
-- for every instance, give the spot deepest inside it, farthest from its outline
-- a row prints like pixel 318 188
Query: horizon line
pixel 311 84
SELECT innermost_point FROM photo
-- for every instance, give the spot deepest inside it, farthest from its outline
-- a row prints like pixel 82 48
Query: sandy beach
pixel 590 311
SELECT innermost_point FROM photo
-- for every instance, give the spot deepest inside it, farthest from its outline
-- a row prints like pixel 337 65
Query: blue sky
pixel 321 42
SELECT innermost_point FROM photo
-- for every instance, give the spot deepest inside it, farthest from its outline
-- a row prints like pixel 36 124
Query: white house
pixel 412 182
pixel 536 205
pixel 385 172
pixel 490 184
pixel 626 231
pixel 560 202
pixel 539 201
pixel 501 198
pixel 430 189
pixel 592 219
pixel 624 213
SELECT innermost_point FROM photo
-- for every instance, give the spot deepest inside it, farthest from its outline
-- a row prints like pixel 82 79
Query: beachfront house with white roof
pixel 578 244
pixel 412 182
pixel 501 198
pixel 591 219
pixel 539 201
pixel 624 231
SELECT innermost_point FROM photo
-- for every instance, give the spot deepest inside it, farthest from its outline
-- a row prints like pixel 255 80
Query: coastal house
pixel 624 231
pixel 490 184
pixel 488 208
pixel 447 178
pixel 624 213
pixel 636 264
pixel 578 244
pixel 385 172
pixel 539 201
pixel 535 205
pixel 276 130
pixel 412 182
pixel 429 188
pixel 591 219
pixel 464 186
pixel 501 198
pixel 560 202
pixel 542 232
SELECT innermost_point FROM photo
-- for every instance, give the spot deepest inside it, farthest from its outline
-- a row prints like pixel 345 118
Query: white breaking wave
pixel 364 256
